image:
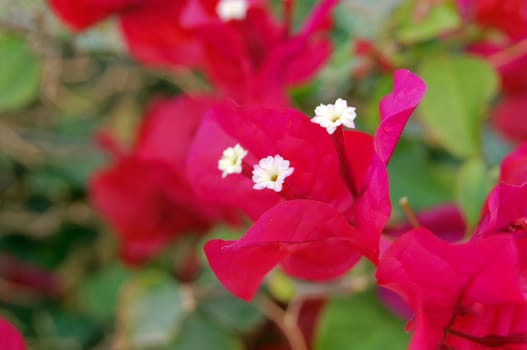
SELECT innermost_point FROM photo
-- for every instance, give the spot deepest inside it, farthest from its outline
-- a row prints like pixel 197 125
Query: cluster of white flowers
pixel 270 172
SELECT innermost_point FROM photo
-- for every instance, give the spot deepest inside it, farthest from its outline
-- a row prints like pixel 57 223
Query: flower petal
pixel 395 109
pixel 10 338
pixel 309 238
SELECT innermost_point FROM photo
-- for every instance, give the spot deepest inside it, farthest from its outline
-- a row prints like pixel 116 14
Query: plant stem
pixel 286 321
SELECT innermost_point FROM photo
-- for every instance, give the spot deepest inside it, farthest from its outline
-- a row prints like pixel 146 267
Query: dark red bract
pixel 253 59
pixel 508 16
pixel 144 194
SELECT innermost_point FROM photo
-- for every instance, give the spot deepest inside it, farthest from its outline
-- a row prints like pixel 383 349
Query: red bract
pixel 508 16
pixel 308 238
pixel 10 338
pixel 153 29
pixel 342 176
pixel 505 211
pixel 465 297
pixel 145 194
pixel 251 59
pixel 508 116
pixel 513 169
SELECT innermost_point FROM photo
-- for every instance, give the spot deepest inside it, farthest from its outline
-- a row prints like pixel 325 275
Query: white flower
pixel 231 161
pixel 232 9
pixel 332 116
pixel 270 172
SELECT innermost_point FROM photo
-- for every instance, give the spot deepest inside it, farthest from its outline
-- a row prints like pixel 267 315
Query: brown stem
pixel 410 214
pixel 287 324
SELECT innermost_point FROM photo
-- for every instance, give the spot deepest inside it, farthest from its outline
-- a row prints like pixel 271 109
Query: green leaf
pixel 359 322
pixel 19 73
pixel 472 186
pixel 459 89
pixel 231 312
pixel 99 293
pixel 61 329
pixel 152 310
pixel 438 20
pixel 414 174
pixel 197 333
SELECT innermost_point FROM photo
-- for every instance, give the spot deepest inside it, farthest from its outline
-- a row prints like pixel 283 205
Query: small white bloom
pixel 332 116
pixel 232 9
pixel 231 161
pixel 270 172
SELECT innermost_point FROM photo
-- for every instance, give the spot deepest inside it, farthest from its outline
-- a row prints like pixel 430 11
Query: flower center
pixel 231 160
pixel 331 116
pixel 271 172
pixel 232 9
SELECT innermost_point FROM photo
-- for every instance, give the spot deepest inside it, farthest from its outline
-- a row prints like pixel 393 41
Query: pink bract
pixel 316 183
pixel 153 29
pixel 10 338
pixel 508 16
pixel 464 297
pixel 513 169
pixel 144 194
pixel 308 238
pixel 252 60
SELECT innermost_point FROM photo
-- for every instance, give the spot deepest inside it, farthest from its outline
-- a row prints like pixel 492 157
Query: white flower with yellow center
pixel 231 160
pixel 331 116
pixel 270 172
pixel 232 9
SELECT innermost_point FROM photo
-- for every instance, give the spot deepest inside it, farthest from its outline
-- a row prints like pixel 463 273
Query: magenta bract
pixel 464 297
pixel 317 182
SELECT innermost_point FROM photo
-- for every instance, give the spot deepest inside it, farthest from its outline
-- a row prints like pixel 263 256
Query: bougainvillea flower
pixel 345 172
pixel 153 29
pixel 509 116
pixel 10 338
pixel 308 238
pixel 504 211
pixel 464 297
pixel 249 56
pixel 144 194
pixel 513 168
pixel 508 16
pixel 255 59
